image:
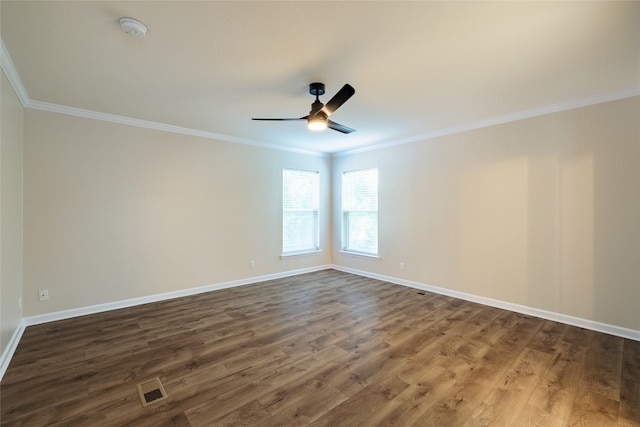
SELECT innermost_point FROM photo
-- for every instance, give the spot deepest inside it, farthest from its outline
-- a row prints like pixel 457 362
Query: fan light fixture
pixel 318 117
pixel 318 122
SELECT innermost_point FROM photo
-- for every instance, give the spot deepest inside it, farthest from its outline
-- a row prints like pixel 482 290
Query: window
pixel 360 211
pixel 300 203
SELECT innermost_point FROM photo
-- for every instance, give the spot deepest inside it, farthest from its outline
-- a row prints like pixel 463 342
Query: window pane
pixel 360 190
pixel 300 189
pixel 300 230
pixel 362 233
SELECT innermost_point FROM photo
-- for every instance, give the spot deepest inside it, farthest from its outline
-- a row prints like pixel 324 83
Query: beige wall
pixel 543 212
pixel 114 212
pixel 11 116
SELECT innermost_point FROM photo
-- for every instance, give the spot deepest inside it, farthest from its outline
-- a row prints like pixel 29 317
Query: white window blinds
pixel 360 211
pixel 300 205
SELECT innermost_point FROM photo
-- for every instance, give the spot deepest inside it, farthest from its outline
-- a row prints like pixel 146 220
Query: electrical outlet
pixel 402 266
pixel 20 303
pixel 43 294
pixel 252 263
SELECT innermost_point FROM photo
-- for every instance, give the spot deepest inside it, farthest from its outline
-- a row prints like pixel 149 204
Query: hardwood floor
pixel 321 349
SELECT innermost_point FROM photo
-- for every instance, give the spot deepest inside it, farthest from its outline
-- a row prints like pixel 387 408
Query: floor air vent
pixel 151 392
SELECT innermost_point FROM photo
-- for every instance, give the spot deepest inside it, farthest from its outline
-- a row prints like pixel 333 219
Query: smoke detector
pixel 133 27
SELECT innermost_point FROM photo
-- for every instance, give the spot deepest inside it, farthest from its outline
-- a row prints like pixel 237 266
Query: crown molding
pixel 507 118
pixel 12 74
pixel 14 79
pixel 113 118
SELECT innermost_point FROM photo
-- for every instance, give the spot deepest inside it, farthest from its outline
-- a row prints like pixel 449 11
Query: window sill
pixel 360 255
pixel 300 253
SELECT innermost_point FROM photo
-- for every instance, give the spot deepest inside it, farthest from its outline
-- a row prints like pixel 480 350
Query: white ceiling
pixel 419 68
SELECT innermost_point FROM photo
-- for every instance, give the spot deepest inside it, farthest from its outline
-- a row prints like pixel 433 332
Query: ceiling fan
pixel 318 117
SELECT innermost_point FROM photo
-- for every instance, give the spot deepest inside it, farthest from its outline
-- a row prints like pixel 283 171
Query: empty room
pixel 319 213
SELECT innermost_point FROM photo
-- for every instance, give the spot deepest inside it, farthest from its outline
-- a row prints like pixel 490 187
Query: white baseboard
pixel 11 347
pixel 7 354
pixel 99 308
pixel 544 314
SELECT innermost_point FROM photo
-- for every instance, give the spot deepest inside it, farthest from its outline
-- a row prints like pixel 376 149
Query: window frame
pixel 347 215
pixel 314 210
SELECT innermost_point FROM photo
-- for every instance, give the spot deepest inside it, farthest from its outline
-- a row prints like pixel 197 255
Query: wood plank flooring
pixel 321 349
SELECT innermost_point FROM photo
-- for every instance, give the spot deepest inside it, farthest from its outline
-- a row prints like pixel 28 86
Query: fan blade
pixel 339 127
pixel 281 120
pixel 338 99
